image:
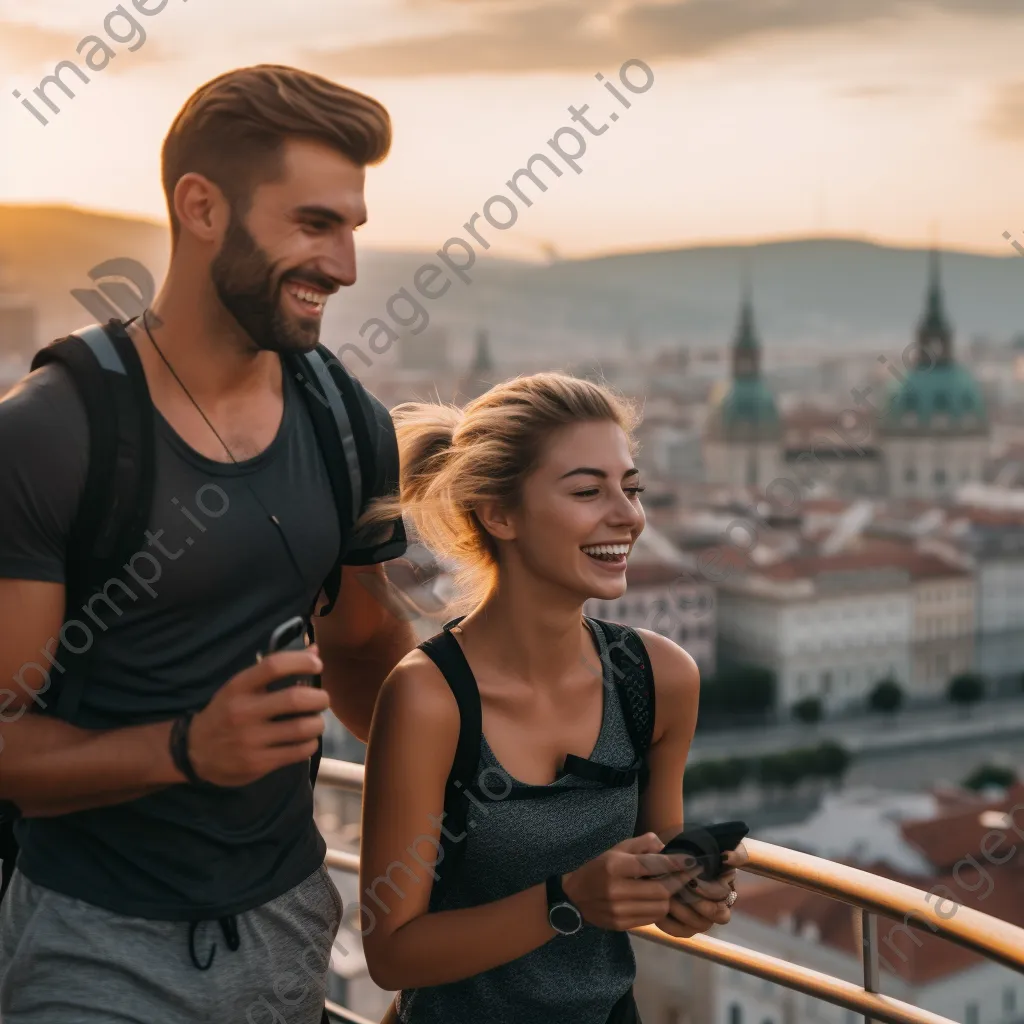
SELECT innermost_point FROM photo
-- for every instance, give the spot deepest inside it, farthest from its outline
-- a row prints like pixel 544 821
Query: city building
pixel 935 425
pixel 839 616
pixel 19 331
pixel 482 373
pixel 930 436
pixel 942 637
pixel 743 440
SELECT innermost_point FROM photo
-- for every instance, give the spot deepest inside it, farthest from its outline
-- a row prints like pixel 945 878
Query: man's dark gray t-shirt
pixel 197 604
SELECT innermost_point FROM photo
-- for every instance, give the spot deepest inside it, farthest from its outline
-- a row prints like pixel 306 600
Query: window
pixel 735 1014
pixel 1009 1000
pixel 939 477
pixel 826 683
pixel 910 475
pixel 971 1014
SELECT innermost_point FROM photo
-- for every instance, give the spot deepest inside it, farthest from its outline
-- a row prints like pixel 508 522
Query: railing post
pixel 869 953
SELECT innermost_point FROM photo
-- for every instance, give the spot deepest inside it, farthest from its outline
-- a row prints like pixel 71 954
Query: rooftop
pixel 944 840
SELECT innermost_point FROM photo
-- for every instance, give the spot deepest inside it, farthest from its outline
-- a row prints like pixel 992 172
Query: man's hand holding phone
pixel 260 720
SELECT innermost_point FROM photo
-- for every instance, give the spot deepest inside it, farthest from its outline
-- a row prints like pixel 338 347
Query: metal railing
pixel 872 894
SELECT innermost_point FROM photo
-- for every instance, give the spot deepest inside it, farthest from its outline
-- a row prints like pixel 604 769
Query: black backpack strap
pixel 8 845
pixel 447 655
pixel 113 511
pixel 345 428
pixel 634 682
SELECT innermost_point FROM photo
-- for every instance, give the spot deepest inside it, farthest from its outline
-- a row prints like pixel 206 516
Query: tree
pixel 734 772
pixel 785 769
pixel 832 760
pixel 990 775
pixel 699 778
pixel 886 697
pixel 966 689
pixel 808 710
pixel 746 688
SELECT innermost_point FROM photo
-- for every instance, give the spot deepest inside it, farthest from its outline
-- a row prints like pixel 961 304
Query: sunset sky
pixel 885 119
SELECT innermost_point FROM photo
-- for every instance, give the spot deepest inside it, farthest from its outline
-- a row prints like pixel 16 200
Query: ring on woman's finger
pixel 732 897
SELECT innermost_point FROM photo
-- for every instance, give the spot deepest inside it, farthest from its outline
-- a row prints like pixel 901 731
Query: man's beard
pixel 244 279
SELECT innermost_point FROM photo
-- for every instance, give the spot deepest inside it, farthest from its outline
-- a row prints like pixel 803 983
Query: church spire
pixel 934 334
pixel 483 363
pixel 746 349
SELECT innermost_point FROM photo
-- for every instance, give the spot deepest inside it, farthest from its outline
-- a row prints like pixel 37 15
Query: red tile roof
pixel 947 841
pixel 949 838
pixel 865 553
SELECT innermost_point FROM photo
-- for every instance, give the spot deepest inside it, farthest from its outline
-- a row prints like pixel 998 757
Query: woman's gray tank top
pixel 514 844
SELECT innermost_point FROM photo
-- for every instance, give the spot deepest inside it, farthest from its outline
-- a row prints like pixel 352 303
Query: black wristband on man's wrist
pixel 179 749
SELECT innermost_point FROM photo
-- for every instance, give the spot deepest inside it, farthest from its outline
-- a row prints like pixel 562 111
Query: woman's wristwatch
pixel 563 915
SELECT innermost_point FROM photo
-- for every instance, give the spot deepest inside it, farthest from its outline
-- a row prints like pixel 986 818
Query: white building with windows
pixel 832 625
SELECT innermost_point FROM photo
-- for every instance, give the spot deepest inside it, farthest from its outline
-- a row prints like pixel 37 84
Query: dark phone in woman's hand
pixel 709 844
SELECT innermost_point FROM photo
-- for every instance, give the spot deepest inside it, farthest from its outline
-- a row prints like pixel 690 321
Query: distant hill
pixel 826 294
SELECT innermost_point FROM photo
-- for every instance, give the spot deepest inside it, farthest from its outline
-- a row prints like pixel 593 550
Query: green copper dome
pixel 938 394
pixel 749 403
pixel 943 396
pixel 748 410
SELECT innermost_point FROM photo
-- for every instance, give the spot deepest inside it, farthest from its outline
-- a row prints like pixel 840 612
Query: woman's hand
pixel 630 885
pixel 701 904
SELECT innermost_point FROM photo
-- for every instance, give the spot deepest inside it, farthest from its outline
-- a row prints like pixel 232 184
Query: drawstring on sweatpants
pixel 228 925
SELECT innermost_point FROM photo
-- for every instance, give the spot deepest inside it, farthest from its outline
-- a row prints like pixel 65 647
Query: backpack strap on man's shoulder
pixel 446 653
pixel 345 428
pixel 634 681
pixel 113 512
pixel 115 504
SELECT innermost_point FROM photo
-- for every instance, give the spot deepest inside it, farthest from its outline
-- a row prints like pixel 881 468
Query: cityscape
pixel 831 441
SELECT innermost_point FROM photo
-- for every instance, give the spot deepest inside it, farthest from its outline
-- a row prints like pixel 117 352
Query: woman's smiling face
pixel 580 512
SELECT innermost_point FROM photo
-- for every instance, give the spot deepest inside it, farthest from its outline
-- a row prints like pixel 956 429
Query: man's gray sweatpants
pixel 63 961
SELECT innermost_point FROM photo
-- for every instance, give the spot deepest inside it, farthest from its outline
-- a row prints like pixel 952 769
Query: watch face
pixel 565 918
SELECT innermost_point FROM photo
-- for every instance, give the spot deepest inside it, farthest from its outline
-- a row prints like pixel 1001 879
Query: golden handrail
pixel 997 940
pixel 873 895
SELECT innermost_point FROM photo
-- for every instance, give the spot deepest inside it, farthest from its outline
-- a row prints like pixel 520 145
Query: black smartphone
pixel 708 844
pixel 289 636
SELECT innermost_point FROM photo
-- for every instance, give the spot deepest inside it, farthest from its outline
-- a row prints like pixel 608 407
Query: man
pixel 170 869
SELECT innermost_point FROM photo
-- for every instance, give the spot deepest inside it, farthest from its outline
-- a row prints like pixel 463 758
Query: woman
pixel 532 491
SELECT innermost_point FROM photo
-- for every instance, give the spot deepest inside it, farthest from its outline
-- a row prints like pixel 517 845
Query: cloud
pixel 34 48
pixel 25 47
pixel 871 92
pixel 1005 118
pixel 511 36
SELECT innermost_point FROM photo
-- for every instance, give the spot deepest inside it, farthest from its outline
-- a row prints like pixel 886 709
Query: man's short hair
pixel 233 129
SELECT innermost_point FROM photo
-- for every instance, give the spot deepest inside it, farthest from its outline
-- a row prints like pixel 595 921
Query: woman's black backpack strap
pixel 447 655
pixel 345 426
pixel 634 681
